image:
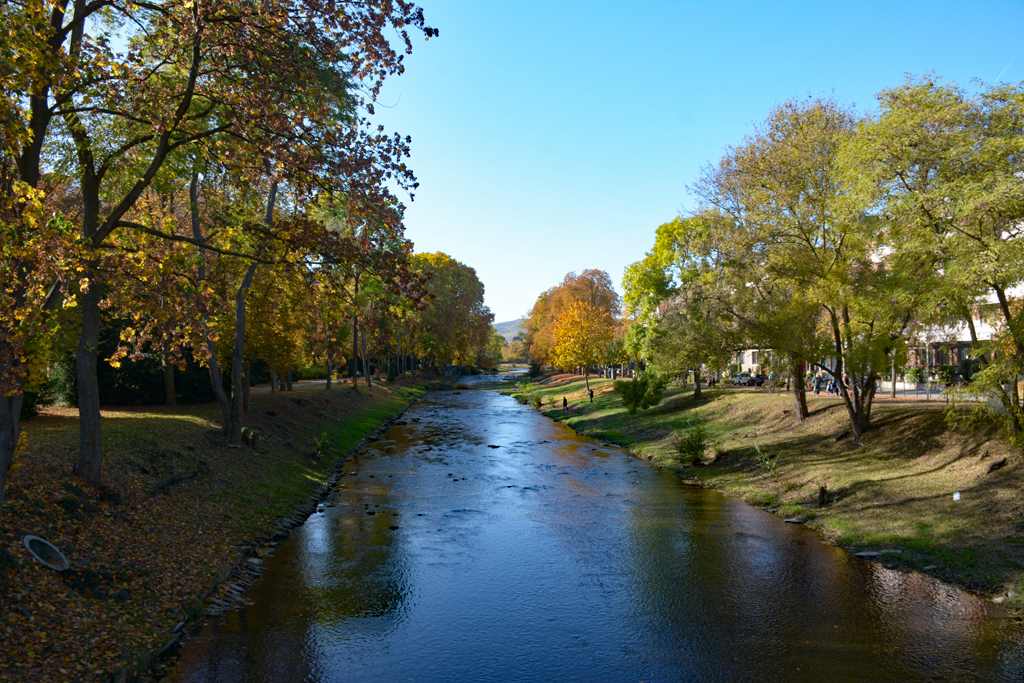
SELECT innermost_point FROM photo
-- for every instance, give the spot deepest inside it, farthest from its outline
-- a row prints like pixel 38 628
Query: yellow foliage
pixel 582 333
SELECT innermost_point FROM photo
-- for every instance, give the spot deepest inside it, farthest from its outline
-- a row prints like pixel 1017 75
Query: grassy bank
pixel 176 505
pixel 893 493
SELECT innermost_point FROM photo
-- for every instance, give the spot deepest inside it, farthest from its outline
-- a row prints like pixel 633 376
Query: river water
pixel 556 558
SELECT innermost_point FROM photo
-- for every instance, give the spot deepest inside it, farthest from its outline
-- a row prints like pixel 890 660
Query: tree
pixel 593 287
pixel 276 80
pixel 582 334
pixel 457 323
pixel 677 295
pixel 493 353
pixel 782 197
pixel 943 169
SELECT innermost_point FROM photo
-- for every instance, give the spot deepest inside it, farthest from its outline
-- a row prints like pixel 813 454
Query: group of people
pixel 827 381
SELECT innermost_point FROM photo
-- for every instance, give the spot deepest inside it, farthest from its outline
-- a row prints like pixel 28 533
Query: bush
pixel 947 373
pixel 311 372
pixel 642 391
pixel 914 375
pixel 968 366
pixel 692 443
pixel 733 370
pixel 29 405
pixel 538 401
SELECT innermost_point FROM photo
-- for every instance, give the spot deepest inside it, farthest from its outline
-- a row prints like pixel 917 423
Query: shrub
pixel 947 373
pixel 765 460
pixel 914 375
pixel 642 392
pixel 538 401
pixel 968 366
pixel 692 443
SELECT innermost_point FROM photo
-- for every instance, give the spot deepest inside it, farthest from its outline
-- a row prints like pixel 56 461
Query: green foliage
pixel 641 392
pixel 968 366
pixel 456 328
pixel 321 444
pixel 524 386
pixel 947 374
pixel 914 374
pixel 538 401
pixel 693 442
pixel 765 460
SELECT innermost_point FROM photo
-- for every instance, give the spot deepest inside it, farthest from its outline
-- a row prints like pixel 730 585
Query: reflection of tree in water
pixel 338 583
pixel 714 585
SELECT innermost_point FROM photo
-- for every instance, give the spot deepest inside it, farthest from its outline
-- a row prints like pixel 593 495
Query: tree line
pixel 208 176
pixel 833 239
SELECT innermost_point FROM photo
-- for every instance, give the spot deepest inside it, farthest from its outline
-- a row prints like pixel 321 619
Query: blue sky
pixel 551 137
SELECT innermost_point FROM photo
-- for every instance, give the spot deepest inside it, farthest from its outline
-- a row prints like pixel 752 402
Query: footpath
pixel 175 532
pixel 918 495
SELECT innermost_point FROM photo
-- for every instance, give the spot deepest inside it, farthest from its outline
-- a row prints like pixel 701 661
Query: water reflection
pixel 552 557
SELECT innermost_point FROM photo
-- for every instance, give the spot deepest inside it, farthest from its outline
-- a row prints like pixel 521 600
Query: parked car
pixel 743 379
pixel 760 379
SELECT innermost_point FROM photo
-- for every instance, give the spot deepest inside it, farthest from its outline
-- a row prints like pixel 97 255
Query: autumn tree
pixel 582 334
pixel 593 287
pixel 457 323
pixel 275 79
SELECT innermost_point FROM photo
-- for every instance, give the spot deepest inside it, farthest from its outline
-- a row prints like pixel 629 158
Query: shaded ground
pixel 176 505
pixel 895 492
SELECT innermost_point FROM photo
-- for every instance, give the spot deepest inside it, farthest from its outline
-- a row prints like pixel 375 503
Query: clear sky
pixel 551 137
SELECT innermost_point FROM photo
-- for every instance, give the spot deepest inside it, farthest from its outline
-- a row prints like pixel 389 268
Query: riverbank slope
pixel 894 495
pixel 175 508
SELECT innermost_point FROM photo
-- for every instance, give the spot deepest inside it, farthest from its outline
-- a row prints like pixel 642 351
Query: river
pixel 480 541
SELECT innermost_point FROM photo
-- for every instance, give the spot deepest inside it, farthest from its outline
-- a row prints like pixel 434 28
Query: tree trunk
pixel 696 384
pixel 217 381
pixel 330 369
pixel 216 377
pixel 273 381
pixel 10 423
pixel 237 355
pixel 354 370
pixel 366 368
pixel 238 348
pixel 796 369
pixel 849 394
pixel 246 402
pixel 89 442
pixel 355 329
pixel 398 357
pixel 288 381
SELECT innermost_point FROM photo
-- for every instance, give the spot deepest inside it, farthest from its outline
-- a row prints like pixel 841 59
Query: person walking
pixel 591 395
pixel 817 384
pixel 565 404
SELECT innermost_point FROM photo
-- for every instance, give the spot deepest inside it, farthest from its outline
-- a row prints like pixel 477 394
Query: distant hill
pixel 509 329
